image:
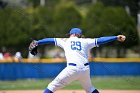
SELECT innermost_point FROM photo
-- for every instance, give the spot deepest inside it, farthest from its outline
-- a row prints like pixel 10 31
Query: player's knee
pixel 47 91
pixel 95 91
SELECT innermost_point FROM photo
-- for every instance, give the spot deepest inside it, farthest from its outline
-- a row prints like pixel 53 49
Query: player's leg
pixel 86 82
pixel 95 91
pixel 47 91
pixel 65 77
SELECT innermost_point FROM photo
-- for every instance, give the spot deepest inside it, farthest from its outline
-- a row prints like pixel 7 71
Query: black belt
pixel 73 64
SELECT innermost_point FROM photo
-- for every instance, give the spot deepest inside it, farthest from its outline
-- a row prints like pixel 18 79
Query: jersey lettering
pixel 76 45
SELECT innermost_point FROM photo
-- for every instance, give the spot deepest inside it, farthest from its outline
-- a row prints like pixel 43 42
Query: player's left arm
pixel 34 44
pixel 46 41
pixel 103 40
pixel 54 41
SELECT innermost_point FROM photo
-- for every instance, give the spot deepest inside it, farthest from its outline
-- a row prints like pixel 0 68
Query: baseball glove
pixel 33 47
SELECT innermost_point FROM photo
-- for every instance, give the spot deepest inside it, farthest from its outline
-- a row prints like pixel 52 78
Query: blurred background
pixel 22 21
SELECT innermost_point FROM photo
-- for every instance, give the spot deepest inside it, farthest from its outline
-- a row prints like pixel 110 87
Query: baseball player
pixel 76 52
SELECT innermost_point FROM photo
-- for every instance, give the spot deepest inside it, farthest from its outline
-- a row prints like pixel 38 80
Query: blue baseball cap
pixel 75 31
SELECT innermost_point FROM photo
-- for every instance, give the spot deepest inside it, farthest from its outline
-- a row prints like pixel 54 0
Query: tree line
pixel 18 26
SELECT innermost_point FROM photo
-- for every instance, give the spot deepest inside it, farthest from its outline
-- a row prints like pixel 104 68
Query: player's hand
pixel 33 47
pixel 121 38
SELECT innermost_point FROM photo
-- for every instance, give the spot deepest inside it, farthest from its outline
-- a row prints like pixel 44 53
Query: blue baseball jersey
pixel 76 49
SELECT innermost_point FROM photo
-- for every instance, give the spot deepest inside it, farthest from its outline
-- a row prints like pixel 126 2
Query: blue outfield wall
pixel 13 71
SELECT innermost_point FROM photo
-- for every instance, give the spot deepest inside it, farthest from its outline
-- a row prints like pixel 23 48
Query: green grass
pixel 117 83
pixel 98 82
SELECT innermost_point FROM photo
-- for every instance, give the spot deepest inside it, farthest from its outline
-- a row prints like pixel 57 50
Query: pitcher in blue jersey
pixel 76 53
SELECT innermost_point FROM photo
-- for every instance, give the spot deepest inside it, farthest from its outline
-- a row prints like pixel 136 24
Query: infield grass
pixel 98 82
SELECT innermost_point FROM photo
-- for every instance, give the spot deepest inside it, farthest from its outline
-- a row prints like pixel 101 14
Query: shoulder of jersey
pixel 64 39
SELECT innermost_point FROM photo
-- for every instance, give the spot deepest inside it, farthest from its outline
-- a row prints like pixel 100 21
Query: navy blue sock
pixel 95 91
pixel 47 91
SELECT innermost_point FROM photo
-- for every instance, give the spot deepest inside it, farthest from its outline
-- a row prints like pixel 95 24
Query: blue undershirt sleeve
pixel 46 41
pixel 103 40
